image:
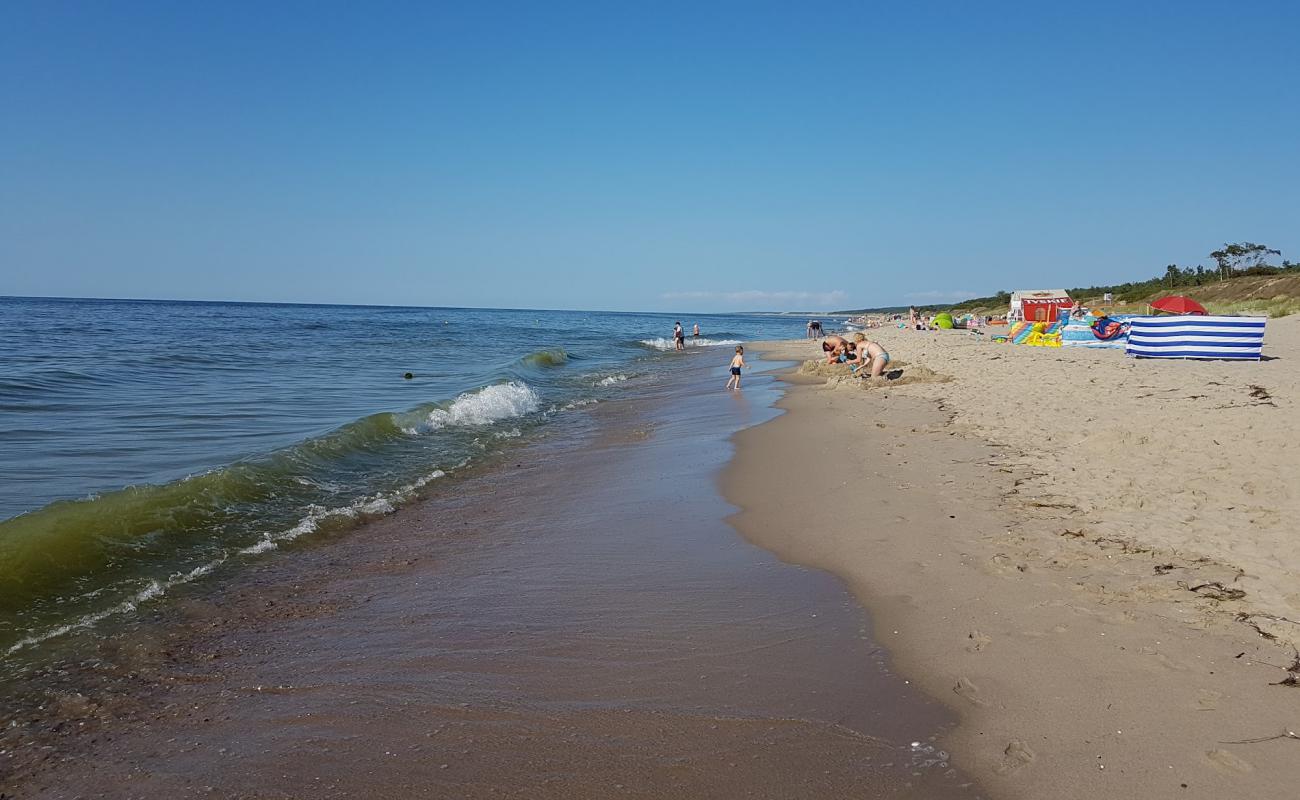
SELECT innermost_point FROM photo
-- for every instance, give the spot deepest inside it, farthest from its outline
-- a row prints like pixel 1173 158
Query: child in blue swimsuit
pixel 737 364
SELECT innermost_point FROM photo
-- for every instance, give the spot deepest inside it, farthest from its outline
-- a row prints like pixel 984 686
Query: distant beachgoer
pixel 737 364
pixel 871 355
pixel 810 329
pixel 911 317
pixel 696 334
pixel 679 336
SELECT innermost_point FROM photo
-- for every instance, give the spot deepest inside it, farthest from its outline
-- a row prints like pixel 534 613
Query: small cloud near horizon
pixel 755 297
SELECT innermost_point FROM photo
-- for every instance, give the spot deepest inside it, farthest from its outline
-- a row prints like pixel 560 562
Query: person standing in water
pixel 679 336
pixel 737 364
pixel 696 333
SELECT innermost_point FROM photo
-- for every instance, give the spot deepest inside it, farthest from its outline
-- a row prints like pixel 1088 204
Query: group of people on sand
pixel 863 356
pixel 679 335
pixel 860 354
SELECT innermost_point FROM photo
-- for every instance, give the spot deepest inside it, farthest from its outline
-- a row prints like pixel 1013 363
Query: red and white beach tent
pixel 1039 305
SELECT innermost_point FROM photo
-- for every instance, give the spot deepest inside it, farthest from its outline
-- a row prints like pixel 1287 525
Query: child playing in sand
pixel 870 355
pixel 737 364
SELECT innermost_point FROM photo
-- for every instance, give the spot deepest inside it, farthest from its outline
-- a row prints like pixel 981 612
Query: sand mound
pixel 899 373
pixel 894 376
pixel 821 369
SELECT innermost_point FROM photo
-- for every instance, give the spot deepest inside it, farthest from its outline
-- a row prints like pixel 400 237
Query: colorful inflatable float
pixel 1097 332
pixel 1034 334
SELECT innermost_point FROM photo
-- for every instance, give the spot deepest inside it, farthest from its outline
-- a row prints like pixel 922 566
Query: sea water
pixel 147 444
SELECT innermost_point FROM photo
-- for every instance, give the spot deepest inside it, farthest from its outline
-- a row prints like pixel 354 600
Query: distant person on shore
pixel 679 336
pixel 696 333
pixel 911 318
pixel 737 364
pixel 871 356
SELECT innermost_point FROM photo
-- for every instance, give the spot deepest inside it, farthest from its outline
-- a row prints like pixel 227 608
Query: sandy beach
pixel 1086 556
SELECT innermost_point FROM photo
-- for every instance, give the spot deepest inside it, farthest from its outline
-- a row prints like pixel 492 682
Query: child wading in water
pixel 737 364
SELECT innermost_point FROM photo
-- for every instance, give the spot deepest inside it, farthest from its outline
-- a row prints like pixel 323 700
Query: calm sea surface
pixel 145 444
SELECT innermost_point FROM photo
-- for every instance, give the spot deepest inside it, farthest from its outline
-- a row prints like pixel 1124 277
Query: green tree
pixel 1242 255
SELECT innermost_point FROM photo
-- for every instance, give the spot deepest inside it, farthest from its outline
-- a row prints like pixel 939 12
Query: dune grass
pixel 1280 306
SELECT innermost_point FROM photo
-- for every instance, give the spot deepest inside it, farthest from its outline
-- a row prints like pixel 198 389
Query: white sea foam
pixel 485 406
pixel 377 505
pixel 150 590
pixel 668 344
pixel 611 380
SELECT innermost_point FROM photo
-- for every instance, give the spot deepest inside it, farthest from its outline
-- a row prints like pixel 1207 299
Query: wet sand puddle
pixel 580 622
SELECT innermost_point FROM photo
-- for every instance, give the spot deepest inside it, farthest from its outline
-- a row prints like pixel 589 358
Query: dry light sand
pixel 1092 558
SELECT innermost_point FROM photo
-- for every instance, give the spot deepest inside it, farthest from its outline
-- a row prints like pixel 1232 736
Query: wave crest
pixel 667 344
pixel 485 406
pixel 544 359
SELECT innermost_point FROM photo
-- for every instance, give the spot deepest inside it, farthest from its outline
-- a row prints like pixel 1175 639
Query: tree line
pixel 1237 260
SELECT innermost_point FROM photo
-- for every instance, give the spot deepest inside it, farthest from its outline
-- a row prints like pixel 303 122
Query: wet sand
pixel 581 622
pixel 1081 663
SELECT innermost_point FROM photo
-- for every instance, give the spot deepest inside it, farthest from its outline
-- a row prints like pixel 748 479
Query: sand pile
pixel 899 373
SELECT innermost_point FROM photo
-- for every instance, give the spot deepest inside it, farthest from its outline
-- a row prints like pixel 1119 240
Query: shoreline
pixel 582 622
pixel 1075 663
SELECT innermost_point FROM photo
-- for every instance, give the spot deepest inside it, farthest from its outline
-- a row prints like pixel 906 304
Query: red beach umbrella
pixel 1177 304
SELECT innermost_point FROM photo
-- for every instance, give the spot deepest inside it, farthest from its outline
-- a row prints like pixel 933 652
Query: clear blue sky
pixel 675 156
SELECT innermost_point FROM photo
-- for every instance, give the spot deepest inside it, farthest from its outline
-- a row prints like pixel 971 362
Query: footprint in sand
pixel 978 641
pixel 1228 763
pixel 1016 755
pixel 964 688
pixel 1208 699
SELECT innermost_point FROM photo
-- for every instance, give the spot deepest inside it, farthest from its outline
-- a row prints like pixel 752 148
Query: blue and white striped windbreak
pixel 1196 337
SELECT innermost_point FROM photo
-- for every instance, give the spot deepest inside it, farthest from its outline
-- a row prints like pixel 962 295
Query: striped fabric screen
pixel 1196 337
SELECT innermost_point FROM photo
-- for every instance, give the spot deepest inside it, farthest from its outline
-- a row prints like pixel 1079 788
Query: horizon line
pixel 393 305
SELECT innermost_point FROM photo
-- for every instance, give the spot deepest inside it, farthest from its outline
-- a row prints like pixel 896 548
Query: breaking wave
pixel 667 344
pixel 482 407
pixel 73 563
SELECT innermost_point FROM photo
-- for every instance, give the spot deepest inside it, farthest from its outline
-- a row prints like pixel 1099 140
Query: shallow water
pixel 146 445
pixel 577 621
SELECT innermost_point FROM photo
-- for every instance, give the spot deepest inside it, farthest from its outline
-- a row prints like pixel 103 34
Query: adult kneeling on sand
pixel 832 346
pixel 870 355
